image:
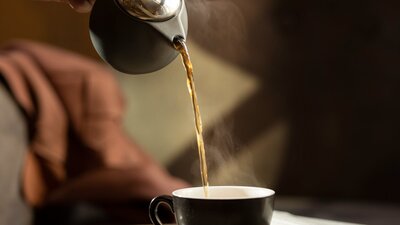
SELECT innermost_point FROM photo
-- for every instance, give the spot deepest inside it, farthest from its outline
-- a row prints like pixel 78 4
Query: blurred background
pixel 299 96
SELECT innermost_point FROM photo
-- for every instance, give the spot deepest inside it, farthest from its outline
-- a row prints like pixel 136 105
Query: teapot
pixel 137 36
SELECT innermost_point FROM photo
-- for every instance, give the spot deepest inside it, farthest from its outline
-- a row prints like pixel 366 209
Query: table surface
pixel 334 213
pixel 285 218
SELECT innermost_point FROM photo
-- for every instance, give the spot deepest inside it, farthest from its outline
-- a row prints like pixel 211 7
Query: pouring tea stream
pixel 142 36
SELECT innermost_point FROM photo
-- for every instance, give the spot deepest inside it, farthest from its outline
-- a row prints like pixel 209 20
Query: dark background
pixel 331 70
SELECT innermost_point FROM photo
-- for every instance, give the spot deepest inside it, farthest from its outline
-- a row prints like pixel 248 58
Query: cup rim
pixel 261 192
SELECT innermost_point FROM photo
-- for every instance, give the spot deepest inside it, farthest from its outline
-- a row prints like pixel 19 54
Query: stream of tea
pixel 180 45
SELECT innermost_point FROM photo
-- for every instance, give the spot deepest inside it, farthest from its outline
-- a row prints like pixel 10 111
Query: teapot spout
pixel 175 27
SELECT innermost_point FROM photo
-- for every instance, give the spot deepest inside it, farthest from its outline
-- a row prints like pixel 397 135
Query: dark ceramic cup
pixel 225 205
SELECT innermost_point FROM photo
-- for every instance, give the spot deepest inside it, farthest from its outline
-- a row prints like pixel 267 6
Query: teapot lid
pixel 151 10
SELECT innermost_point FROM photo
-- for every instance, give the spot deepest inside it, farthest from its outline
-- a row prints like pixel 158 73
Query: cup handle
pixel 155 203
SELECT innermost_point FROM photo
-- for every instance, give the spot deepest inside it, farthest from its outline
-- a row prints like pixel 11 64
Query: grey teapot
pixel 136 36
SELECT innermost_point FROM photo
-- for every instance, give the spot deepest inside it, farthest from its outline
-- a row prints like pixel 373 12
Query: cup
pixel 225 205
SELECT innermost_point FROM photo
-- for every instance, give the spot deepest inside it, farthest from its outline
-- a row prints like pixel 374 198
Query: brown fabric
pixel 73 109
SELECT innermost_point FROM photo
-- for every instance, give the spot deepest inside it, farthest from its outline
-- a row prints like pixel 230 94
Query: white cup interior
pixel 224 192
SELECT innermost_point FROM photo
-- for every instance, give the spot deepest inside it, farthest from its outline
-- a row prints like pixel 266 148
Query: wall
pixel 49 22
pixel 305 93
pixel 159 115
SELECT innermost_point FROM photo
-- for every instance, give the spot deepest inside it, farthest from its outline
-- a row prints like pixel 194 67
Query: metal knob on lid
pixel 151 10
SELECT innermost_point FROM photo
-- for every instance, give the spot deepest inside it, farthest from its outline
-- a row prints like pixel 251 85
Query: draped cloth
pixel 73 109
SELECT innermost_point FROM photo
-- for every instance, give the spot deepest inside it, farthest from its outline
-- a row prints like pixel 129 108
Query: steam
pixel 221 27
pixel 225 167
pixel 217 21
pixel 257 164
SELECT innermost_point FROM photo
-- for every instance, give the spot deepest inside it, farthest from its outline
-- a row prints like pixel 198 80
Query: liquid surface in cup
pixel 180 45
pixel 224 192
